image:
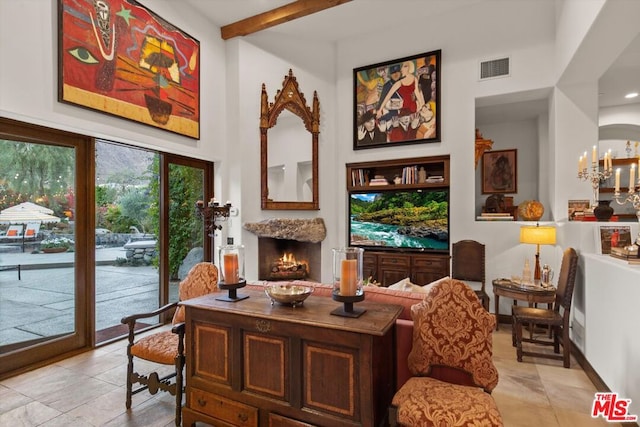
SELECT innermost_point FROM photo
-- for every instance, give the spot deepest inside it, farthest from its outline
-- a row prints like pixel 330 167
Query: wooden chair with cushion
pixel 167 347
pixel 468 263
pixel 451 362
pixel 557 318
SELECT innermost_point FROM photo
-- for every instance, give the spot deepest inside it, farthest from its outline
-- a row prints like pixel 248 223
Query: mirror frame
pixel 292 99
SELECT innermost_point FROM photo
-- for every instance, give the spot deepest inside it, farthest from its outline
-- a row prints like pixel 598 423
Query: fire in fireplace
pixel 283 259
pixel 287 267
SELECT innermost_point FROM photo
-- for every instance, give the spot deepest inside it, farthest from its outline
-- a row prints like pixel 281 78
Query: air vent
pixel 494 68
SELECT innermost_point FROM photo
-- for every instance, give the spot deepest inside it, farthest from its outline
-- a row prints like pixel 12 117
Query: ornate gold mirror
pixel 289 161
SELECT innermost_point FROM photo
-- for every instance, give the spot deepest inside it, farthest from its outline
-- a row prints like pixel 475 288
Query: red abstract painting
pixel 118 57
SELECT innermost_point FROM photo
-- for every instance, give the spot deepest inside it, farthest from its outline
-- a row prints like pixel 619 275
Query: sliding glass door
pixel 127 224
pixel 43 243
pixel 89 232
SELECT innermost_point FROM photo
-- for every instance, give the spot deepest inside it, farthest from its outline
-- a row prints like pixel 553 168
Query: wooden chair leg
pixel 179 363
pixel 129 380
pixel 518 328
pixel 566 348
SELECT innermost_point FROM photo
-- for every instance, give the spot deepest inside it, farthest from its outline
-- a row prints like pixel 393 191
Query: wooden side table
pixel 529 293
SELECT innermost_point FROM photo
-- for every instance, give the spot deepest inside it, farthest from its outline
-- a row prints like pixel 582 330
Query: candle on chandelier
pixel 617 190
pixel 579 165
pixel 594 155
pixel 610 162
pixel 632 177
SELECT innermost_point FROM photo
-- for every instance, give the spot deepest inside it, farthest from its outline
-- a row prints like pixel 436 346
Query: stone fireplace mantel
pixel 302 230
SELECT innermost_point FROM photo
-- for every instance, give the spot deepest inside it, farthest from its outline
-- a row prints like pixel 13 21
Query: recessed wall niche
pixel 517 121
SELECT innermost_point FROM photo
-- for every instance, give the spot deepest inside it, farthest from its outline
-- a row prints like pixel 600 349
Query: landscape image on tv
pixel 400 219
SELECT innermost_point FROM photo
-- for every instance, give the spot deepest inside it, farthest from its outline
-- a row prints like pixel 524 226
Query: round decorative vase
pixel 530 210
pixel 603 211
pixel 53 250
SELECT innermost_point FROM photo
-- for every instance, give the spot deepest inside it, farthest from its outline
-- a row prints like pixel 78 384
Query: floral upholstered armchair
pixel 451 362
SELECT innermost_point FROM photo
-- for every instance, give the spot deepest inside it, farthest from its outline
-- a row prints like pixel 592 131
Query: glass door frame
pixel 84 275
pixel 206 166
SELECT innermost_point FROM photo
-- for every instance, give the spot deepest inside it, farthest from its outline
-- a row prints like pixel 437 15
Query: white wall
pixel 28 82
pixel 232 73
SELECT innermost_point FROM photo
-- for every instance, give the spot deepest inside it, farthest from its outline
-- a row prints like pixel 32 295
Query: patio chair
pixel 32 230
pixel 14 232
pixel 167 347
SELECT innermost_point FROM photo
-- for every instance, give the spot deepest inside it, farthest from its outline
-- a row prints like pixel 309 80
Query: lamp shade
pixel 537 235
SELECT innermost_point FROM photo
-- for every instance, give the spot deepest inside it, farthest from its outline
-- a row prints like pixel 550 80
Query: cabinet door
pixel 428 268
pixel 389 277
pixel 370 266
pixel 425 277
pixel 394 268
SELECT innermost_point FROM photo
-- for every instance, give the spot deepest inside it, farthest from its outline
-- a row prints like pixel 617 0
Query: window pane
pixel 37 216
pixel 127 277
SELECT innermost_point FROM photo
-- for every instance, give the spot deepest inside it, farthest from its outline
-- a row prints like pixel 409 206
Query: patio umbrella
pixel 25 216
pixel 29 206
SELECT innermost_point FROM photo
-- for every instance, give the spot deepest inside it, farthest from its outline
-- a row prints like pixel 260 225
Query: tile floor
pixel 88 390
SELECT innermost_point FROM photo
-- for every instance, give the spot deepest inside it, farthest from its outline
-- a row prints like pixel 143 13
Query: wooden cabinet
pixel 253 364
pixel 389 268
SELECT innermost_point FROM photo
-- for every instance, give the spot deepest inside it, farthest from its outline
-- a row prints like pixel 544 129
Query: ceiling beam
pixel 276 16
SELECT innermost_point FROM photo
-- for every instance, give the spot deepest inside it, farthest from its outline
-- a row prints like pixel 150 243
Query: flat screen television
pixel 410 220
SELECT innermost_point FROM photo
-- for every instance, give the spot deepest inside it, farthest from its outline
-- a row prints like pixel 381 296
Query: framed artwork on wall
pixel 120 58
pixel 500 171
pixel 397 102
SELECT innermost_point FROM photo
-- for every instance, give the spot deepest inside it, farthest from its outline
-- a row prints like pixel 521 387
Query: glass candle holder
pixel 231 261
pixel 347 272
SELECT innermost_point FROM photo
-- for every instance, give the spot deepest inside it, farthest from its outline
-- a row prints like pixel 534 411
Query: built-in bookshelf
pixel 417 174
pixel 414 172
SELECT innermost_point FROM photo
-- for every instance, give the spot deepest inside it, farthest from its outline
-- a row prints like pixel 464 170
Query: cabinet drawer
pixel 276 420
pixel 394 261
pixel 224 409
pixel 428 263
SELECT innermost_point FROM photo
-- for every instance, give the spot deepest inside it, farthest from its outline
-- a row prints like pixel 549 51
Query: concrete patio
pixel 41 303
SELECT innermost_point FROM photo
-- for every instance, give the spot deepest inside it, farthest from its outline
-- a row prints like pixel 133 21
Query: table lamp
pixel 537 235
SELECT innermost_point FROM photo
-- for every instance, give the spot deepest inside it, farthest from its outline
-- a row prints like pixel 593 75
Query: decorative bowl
pixel 288 294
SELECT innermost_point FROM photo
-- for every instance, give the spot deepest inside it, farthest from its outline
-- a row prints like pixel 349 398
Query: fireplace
pixel 289 249
pixel 283 259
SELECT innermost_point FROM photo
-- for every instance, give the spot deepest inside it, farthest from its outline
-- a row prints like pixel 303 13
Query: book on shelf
pixel 495 218
pixel 409 175
pixel 378 181
pixel 359 177
pixel 495 214
pixel 435 179
pixel 626 254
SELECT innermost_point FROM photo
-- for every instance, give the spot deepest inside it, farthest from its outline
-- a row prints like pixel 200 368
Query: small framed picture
pixel 612 236
pixel 500 171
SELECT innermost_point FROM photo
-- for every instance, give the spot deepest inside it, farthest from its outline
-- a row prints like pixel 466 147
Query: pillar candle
pixel 632 177
pixel 348 277
pixel 617 190
pixel 594 155
pixel 230 268
pixel 579 165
